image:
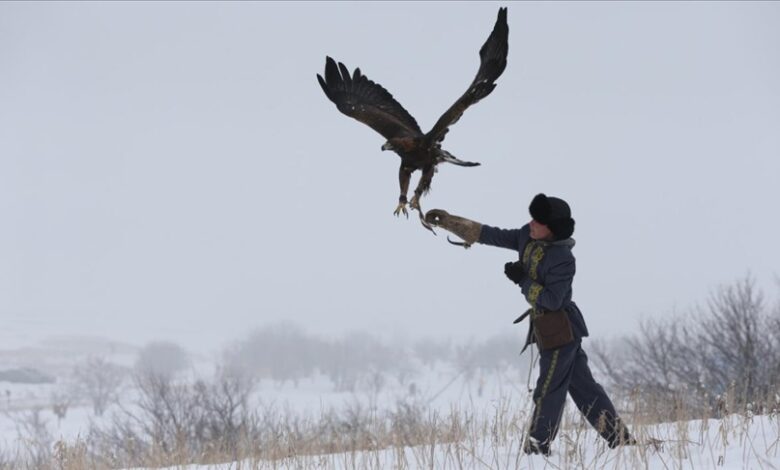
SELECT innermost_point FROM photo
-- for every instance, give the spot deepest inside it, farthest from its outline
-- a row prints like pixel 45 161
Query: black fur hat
pixel 554 213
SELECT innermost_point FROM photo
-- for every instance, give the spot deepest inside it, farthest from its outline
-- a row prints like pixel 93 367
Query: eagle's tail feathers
pixel 446 156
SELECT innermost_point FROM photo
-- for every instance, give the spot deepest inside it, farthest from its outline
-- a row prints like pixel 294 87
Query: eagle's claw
pixel 415 205
pixel 401 208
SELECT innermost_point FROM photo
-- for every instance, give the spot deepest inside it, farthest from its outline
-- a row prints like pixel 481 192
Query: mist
pixel 173 172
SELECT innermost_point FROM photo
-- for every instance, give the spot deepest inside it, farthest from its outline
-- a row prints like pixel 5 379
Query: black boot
pixel 621 436
pixel 533 446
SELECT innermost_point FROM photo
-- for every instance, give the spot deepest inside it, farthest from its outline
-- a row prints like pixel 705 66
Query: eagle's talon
pixel 401 208
pixel 414 204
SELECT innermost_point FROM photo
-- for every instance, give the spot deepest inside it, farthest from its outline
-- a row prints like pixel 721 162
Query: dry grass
pixel 410 436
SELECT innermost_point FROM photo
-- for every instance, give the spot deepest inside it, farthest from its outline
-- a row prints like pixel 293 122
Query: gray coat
pixel 549 268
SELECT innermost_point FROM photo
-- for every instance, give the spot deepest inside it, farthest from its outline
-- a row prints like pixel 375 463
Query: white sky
pixel 174 171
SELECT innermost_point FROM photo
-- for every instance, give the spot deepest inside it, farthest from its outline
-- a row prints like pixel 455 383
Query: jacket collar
pixel 568 242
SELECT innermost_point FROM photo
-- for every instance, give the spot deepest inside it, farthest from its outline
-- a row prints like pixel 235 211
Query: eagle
pixel 368 102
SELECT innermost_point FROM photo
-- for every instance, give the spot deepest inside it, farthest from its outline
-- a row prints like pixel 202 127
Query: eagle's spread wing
pixel 360 98
pixel 492 64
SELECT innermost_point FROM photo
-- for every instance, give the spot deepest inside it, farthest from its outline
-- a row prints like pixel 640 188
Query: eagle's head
pixel 388 146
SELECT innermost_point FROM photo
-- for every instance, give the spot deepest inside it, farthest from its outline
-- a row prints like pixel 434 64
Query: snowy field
pixel 465 419
pixel 735 442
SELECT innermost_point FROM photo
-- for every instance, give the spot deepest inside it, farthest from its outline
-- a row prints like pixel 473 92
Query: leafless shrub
pixel 225 417
pixel 730 348
pixel 356 426
pixel 98 380
pixel 35 438
pixel 408 422
pixel 407 435
pixel 175 421
pixel 211 421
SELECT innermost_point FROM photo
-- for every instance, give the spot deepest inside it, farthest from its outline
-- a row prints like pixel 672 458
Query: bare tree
pixel 169 411
pixel 281 352
pixel 33 432
pixel 729 347
pixel 98 380
pixel 733 340
pixel 182 420
pixel 772 330
pixel 226 417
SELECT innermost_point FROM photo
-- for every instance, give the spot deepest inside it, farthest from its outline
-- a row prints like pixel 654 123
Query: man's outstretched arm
pixel 473 232
pixel 465 228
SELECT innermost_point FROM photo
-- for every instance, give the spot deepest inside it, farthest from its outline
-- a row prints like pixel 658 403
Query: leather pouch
pixel 552 329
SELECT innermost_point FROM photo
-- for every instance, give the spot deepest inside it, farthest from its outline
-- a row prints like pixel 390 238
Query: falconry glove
pixel 466 229
pixel 515 272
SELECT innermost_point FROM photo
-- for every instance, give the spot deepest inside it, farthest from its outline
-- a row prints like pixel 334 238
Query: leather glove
pixel 466 229
pixel 436 217
pixel 515 272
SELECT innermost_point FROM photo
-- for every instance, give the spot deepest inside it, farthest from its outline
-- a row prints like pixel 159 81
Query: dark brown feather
pixel 368 102
pixel 492 64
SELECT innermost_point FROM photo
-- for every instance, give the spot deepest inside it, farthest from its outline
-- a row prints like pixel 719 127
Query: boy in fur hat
pixel 544 272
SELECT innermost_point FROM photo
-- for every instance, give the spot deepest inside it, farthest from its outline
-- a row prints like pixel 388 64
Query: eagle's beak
pixel 387 146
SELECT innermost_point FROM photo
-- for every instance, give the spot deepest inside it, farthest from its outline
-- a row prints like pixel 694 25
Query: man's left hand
pixel 515 272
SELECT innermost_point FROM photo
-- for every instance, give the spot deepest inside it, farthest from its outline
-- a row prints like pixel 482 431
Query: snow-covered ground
pixel 735 442
pixel 437 387
pixel 490 411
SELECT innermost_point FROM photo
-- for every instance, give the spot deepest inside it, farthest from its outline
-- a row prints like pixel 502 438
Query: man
pixel 545 272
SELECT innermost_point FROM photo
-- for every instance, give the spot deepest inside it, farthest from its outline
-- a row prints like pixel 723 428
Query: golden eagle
pixel 368 102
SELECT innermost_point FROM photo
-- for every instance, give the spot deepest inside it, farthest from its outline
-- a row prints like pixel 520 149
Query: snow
pixel 493 409
pixel 734 442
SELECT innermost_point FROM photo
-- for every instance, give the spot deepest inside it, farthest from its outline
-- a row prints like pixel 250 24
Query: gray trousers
pixel 565 370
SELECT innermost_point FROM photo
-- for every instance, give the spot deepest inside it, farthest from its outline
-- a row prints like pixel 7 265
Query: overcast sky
pixel 174 171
